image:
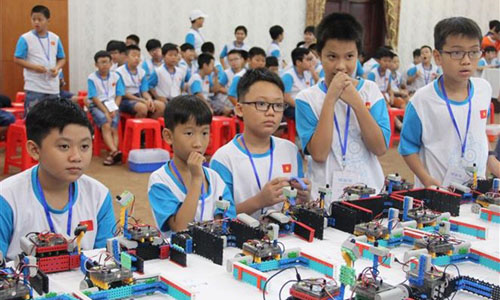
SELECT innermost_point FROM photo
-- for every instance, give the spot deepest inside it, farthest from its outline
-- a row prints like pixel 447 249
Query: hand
pixel 150 104
pixel 54 72
pixel 195 165
pixel 350 95
pixel 418 74
pixel 40 69
pixel 434 76
pixel 112 114
pixel 272 192
pixel 302 195
pixel 430 181
pixel 108 117
pixel 337 85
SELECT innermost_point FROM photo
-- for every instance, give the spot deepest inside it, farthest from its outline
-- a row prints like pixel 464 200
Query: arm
pixel 6 225
pixel 412 75
pixel 417 167
pixel 288 83
pixel 271 194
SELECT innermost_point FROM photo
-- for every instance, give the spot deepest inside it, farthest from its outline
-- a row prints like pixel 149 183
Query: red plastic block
pixel 62 247
pixel 74 261
pixel 164 251
pixel 54 264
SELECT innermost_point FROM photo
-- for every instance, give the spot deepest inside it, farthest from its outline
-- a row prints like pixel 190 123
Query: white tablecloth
pixel 493 77
pixel 211 281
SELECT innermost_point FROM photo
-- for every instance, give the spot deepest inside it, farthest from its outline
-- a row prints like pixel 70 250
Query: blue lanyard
pixel 202 195
pixel 255 173
pixel 46 52
pixel 385 79
pixel 172 75
pixel 47 211
pixel 132 76
pixel 445 96
pixel 427 75
pixel 343 145
pixel 105 87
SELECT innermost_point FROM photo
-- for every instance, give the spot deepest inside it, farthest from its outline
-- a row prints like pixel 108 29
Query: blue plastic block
pixel 189 246
pixel 268 265
pixel 178 295
pixel 489 263
pixel 495 219
pixel 235 273
pixel 248 278
pixel 383 243
pixel 441 260
pixel 484 216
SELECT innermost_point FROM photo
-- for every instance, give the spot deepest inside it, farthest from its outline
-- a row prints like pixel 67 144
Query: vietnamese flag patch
pixel 53 43
pixel 89 224
pixel 484 114
pixel 287 168
pixel 368 105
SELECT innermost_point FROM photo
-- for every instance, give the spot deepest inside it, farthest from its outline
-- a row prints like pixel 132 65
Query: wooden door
pixel 14 21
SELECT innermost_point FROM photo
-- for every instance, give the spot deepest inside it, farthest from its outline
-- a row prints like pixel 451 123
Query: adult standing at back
pixel 194 35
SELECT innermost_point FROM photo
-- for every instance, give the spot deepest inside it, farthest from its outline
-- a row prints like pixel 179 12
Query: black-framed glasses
pixel 474 54
pixel 264 106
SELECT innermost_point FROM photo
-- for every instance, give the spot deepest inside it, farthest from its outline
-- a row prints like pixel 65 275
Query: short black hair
pixel 300 44
pixel 490 49
pixel 132 47
pixel 314 47
pixel 153 44
pixel 44 10
pixel 186 46
pixel 425 46
pixel 208 47
pixel 494 25
pixel 235 51
pixel 242 28
pixel 416 52
pixel 169 47
pixel 455 26
pixel 204 59
pixel 49 114
pixel 310 29
pixel 244 54
pixel 254 51
pixel 299 54
pixel 259 74
pixel 339 26
pixel 181 109
pixel 383 52
pixel 275 31
pixel 272 61
pixel 133 37
pixel 101 54
pixel 115 45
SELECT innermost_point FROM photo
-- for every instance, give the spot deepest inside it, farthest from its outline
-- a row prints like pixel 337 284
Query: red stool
pixel 132 135
pixel 222 130
pixel 18 112
pixel 166 146
pixel 19 101
pixel 82 93
pixel 393 113
pixel 290 130
pixel 81 102
pixel 16 138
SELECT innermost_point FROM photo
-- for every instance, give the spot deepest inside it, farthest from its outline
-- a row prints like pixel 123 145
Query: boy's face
pixel 395 64
pixel 417 60
pixel 262 123
pixel 171 58
pixel 490 55
pixel 122 58
pixel 235 60
pixel 133 58
pixel 64 155
pixel 199 22
pixel 188 137
pixel 258 61
pixel 207 69
pixel 240 36
pixel 459 70
pixel 274 69
pixel 188 55
pixel 156 54
pixel 385 62
pixel 114 55
pixel 309 38
pixel 103 64
pixel 39 22
pixel 306 62
pixel 338 56
pixel 426 55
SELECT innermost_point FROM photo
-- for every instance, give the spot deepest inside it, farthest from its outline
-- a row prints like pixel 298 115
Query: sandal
pixel 109 161
pixel 117 156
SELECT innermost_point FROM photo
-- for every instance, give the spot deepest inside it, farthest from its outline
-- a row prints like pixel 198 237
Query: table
pixel 211 281
pixel 493 77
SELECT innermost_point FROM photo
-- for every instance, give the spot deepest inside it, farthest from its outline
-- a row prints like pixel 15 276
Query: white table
pixel 211 281
pixel 493 77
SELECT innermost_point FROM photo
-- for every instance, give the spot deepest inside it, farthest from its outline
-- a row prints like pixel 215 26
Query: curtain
pixel 315 11
pixel 391 9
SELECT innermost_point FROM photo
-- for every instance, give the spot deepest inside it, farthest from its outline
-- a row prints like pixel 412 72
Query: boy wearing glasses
pixel 444 129
pixel 255 165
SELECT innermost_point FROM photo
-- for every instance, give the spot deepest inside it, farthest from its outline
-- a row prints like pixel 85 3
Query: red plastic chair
pixel 222 130
pixel 15 157
pixel 132 135
pixel 393 113
pixel 290 131
pixel 19 100
pixel 18 112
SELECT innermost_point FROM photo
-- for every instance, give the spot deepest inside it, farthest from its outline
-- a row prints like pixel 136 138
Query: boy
pixel 183 190
pixel 492 38
pixel 235 59
pixel 209 47
pixel 117 50
pixel 277 35
pixel 317 63
pixel 297 78
pixel 194 37
pixel 342 122
pixel 272 159
pixel 105 90
pixel 256 59
pixel 489 60
pixel 41 54
pixel 398 92
pixel 6 118
pixel 441 137
pixel 240 34
pixel 309 37
pixel 137 100
pixel 423 73
pixel 202 84
pixel 132 39
pixel 273 65
pixel 167 81
pixel 154 49
pixel 188 62
pixel 381 75
pixel 55 195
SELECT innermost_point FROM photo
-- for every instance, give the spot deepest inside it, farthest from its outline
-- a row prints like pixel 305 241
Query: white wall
pixel 418 18
pixel 92 23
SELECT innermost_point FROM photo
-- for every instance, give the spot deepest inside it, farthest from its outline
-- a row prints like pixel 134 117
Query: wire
pixel 283 286
pixel 274 275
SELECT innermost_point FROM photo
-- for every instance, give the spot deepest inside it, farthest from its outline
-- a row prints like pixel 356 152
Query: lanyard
pixel 133 76
pixel 202 195
pixel 343 145
pixel 105 87
pixel 46 52
pixel 47 211
pixel 172 75
pixel 427 74
pixel 302 78
pixel 385 79
pixel 445 96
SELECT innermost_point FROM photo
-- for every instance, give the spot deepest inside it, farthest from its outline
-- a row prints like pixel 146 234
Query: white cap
pixel 195 14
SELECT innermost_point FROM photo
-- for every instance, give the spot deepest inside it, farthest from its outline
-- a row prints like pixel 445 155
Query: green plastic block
pixel 347 275
pixel 126 260
pixel 293 254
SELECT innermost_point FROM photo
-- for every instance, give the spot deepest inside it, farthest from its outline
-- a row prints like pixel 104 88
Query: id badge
pixel 456 173
pixel 342 179
pixel 110 105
